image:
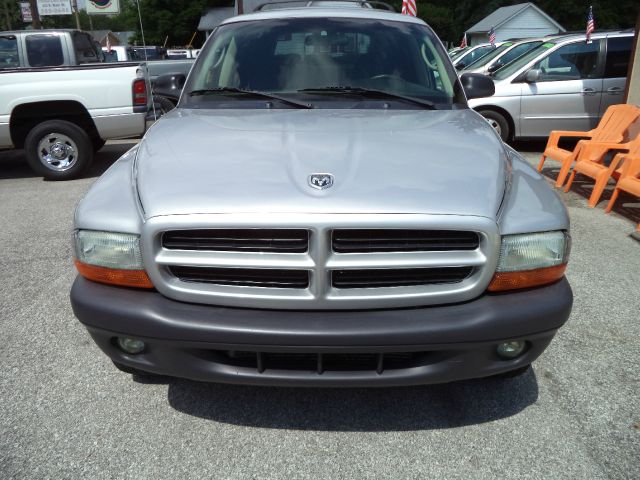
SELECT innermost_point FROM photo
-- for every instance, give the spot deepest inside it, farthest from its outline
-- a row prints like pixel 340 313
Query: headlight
pixel 530 260
pixel 109 257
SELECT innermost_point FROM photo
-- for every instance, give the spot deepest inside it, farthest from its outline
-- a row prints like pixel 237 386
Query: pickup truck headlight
pixel 531 260
pixel 109 257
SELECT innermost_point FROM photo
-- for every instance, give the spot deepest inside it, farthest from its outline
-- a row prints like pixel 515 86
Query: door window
pixel 571 62
pixel 618 54
pixel 9 52
pixel 44 50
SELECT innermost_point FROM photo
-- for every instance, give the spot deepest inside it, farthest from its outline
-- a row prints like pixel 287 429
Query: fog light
pixel 511 349
pixel 130 345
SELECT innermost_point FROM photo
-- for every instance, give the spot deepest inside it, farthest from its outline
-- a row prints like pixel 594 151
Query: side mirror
pixel 169 85
pixel 532 76
pixel 495 66
pixel 460 66
pixel 476 85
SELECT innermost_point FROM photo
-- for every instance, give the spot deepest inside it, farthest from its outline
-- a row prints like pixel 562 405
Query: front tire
pixel 498 122
pixel 58 150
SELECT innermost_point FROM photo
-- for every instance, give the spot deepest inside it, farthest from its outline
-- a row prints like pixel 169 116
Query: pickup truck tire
pixel 498 122
pixel 58 150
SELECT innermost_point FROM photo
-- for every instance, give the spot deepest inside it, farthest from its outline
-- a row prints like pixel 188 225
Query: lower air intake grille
pixel 323 362
pixel 398 277
pixel 387 240
pixel 243 277
pixel 238 240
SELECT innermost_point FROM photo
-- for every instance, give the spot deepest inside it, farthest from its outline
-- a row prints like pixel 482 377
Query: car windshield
pixel 323 61
pixel 482 61
pixel 517 64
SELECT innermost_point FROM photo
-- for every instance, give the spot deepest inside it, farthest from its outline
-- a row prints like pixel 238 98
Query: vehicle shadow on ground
pixel 13 164
pixel 368 410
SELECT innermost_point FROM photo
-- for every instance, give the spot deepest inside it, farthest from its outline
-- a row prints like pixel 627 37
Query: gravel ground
pixel 66 412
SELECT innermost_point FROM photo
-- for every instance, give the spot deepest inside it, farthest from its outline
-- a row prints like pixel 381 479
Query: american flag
pixel 409 7
pixel 492 37
pixel 463 43
pixel 591 24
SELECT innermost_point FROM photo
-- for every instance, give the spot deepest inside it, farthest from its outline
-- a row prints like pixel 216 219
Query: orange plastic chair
pixel 629 182
pixel 610 130
pixel 599 172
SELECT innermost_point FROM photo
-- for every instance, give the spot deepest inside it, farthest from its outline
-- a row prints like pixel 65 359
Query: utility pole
pixel 74 7
pixel 35 15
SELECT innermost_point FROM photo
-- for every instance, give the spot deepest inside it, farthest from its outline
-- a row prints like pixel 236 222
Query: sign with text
pixel 110 7
pixel 54 7
pixel 25 11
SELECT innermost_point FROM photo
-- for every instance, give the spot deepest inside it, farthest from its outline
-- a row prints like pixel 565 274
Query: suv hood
pixel 382 161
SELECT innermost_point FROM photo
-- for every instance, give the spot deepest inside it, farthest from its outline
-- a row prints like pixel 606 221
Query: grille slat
pixel 398 277
pixel 383 240
pixel 324 362
pixel 238 240
pixel 243 277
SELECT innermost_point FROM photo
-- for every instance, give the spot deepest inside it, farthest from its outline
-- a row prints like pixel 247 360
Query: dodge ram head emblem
pixel 321 181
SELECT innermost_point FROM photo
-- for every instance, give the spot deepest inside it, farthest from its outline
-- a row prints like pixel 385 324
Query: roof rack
pixel 310 3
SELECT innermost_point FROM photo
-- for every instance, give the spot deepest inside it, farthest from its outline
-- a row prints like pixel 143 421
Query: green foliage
pixel 177 20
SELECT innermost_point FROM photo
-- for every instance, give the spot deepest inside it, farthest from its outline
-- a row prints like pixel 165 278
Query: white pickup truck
pixel 61 115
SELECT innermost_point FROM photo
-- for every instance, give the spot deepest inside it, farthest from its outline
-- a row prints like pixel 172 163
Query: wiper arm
pixel 253 93
pixel 370 92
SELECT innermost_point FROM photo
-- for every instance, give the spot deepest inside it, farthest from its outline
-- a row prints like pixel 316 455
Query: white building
pixel 524 20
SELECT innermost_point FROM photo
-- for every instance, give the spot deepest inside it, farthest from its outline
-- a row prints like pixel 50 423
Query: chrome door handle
pixel 614 90
pixel 588 91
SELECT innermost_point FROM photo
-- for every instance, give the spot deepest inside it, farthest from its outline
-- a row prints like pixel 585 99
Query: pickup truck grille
pixel 243 277
pixel 238 240
pixel 398 277
pixel 369 240
pixel 320 261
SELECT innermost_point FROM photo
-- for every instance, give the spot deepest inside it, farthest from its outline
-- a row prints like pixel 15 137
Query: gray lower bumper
pixel 450 342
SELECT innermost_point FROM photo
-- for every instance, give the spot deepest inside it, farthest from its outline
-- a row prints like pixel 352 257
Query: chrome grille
pixel 320 261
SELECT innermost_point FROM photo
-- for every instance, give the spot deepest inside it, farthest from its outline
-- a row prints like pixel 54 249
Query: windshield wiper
pixel 371 93
pixel 253 93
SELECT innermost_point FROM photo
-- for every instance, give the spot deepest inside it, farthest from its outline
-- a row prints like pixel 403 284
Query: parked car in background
pixel 323 208
pixel 467 57
pixel 47 48
pixel 180 53
pixel 121 53
pixel 563 84
pixel 501 56
pixel 61 114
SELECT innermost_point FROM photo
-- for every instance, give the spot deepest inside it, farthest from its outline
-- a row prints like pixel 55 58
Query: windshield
pixel 517 64
pixel 306 58
pixel 482 61
pixel 474 54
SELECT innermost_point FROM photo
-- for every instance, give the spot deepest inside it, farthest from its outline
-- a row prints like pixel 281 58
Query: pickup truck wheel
pixel 58 150
pixel 498 122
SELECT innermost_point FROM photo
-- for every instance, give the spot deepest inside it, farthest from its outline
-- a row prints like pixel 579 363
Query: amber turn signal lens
pixel 112 276
pixel 503 281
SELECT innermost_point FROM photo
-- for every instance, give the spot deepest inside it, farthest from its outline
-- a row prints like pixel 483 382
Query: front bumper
pixel 307 348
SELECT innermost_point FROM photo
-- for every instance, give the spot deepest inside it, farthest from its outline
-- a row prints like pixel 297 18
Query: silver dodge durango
pixel 322 208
